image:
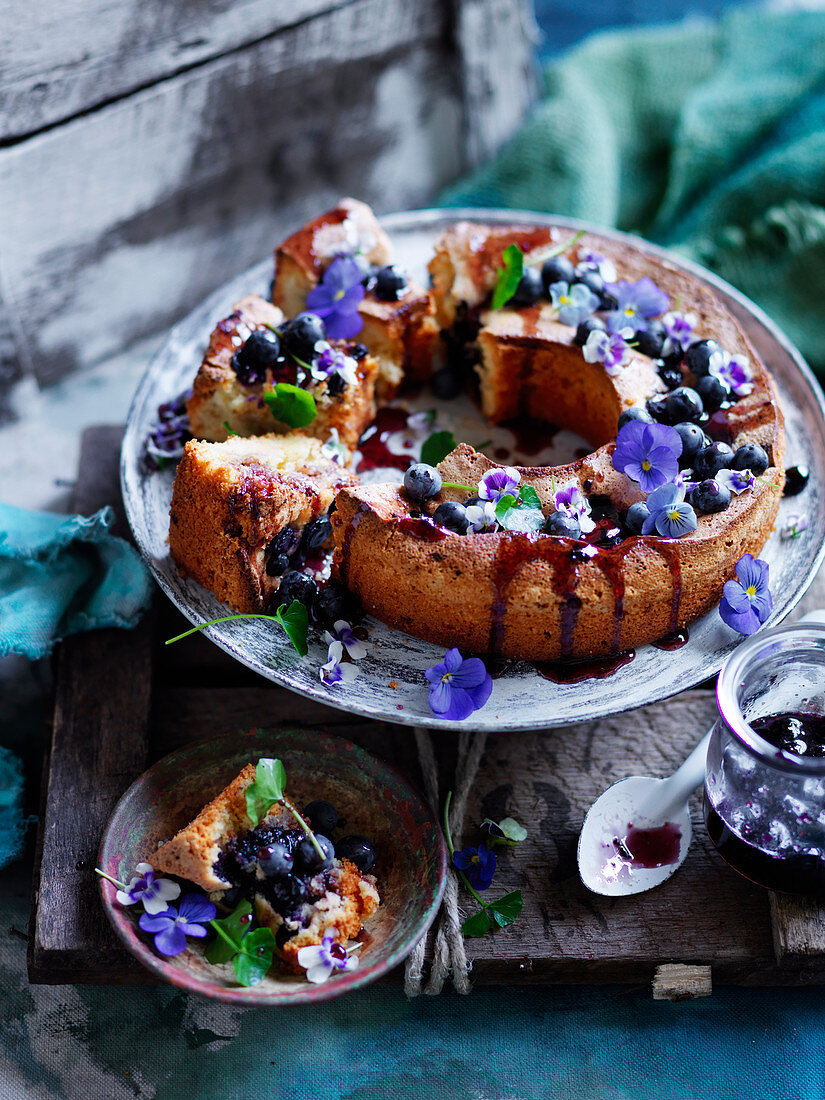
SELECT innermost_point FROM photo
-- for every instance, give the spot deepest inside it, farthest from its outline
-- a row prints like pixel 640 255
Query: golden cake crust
pixel 229 501
pixel 525 595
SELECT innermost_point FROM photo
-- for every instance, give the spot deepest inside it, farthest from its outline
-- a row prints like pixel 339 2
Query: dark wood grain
pixel 124 700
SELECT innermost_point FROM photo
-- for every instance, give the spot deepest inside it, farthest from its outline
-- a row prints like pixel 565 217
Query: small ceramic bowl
pixel 375 800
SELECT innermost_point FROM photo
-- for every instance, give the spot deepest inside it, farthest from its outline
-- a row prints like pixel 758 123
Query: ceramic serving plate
pixel 391 684
pixel 376 802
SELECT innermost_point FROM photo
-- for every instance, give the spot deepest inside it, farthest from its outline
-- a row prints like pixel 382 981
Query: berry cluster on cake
pixel 619 548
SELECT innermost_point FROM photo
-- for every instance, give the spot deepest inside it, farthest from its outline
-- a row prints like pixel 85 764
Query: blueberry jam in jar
pixel 765 778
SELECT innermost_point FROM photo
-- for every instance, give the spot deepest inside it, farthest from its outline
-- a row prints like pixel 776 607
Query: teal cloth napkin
pixel 63 574
pixel 708 138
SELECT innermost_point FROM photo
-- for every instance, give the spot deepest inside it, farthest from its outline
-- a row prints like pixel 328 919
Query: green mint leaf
pixel 265 789
pixel 509 276
pixel 528 495
pixel 505 910
pixel 437 446
pixel 512 830
pixel 291 405
pixel 477 924
pixel 255 957
pixel 295 621
pixel 234 928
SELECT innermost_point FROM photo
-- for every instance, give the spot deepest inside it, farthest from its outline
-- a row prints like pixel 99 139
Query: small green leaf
pixel 437 446
pixel 512 830
pixel 528 495
pixel 509 276
pixel 291 405
pixel 295 621
pixel 255 957
pixel 229 431
pixel 504 506
pixel 476 925
pixel 505 910
pixel 234 928
pixel 265 789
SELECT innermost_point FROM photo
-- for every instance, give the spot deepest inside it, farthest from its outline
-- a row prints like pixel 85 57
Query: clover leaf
pixel 231 931
pixel 266 788
pixel 514 514
pixel 291 405
pixel 295 621
pixel 477 925
pixel 508 276
pixel 437 446
pixel 250 953
pixel 255 956
pixel 504 910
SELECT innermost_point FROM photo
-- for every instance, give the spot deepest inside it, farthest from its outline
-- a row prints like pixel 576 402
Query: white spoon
pixel 638 832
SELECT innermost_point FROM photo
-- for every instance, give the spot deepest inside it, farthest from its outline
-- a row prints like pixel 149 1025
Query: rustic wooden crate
pixel 151 150
pixel 123 701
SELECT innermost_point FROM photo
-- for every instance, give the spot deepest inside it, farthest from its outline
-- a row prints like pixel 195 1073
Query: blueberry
pixel 321 816
pixel 358 850
pixel 635 517
pixel 422 482
pixel 276 564
pixel 259 353
pixel 317 534
pixel 671 376
pixel 713 391
pixel 591 279
pixel 698 356
pixel 607 302
pixel 275 859
pixel 711 459
pixel 470 501
pixel 453 516
pixel 307 860
pixel 634 413
pixel 592 324
pixel 559 523
pixel 651 341
pixel 358 352
pixel 529 289
pixel 796 478
pixel 751 457
pixel 446 384
pixel 657 408
pixel 334 602
pixel 709 496
pixel 294 586
pixel 391 283
pixel 278 551
pixel 336 384
pixel 693 439
pixel 683 404
pixel 300 335
pixel 558 269
pixel 284 893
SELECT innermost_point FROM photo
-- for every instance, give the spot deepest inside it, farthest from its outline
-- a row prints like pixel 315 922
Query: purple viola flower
pixel 482 517
pixel 680 327
pixel 647 453
pixel 612 350
pixel 337 297
pixel 736 480
pixel 342 632
pixel 146 887
pixel 329 360
pixel 732 370
pixel 500 482
pixel 171 927
pixel 458 686
pixel 574 303
pixel 669 515
pixel 336 670
pixel 478 865
pixel 636 304
pixel 747 602
pixel 320 960
pixel 572 501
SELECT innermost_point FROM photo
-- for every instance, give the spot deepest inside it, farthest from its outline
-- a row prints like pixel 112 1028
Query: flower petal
pixel 319 973
pixel 311 956
pixel 151 922
pixel 440 698
pixel 460 707
pixel 197 908
pixel 471 674
pixel 171 941
pixel 743 622
pixel 435 673
pixel 453 660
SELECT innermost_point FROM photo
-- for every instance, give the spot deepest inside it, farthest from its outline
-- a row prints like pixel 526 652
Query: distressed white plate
pixel 391 684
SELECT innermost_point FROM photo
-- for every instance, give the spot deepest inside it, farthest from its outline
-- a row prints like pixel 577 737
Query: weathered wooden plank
pixel 166 194
pixel 63 58
pixel 99 745
pixel 798 930
pixel 675 982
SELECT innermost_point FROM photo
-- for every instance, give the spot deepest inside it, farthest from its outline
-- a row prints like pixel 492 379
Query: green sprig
pixel 294 619
pixel 268 788
pixel 509 274
pixel 493 914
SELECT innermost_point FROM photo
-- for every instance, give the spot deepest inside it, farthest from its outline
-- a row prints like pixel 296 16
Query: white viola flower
pixel 481 517
pixel 321 960
pixel 734 371
pixel 736 480
pixel 610 349
pixel 334 672
pixel 328 361
pixel 574 303
pixel 793 526
pixel 334 449
pixel 597 262
pixel 144 886
pixel 342 632
pixel 420 423
pixel 572 501
pixel 680 326
pixel 500 482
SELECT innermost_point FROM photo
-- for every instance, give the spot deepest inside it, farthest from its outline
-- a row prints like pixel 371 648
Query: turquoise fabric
pixel 64 574
pixel 708 138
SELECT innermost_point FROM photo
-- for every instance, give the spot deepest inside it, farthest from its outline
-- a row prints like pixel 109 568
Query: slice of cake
pixel 222 850
pixel 398 315
pixel 246 510
pixel 254 349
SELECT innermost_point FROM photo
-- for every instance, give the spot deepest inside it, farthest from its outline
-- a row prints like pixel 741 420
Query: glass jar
pixel 765 804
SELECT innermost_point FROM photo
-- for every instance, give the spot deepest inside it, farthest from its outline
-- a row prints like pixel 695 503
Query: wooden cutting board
pixel 123 700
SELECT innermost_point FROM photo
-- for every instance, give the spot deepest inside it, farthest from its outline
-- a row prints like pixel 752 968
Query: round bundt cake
pixel 622 547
